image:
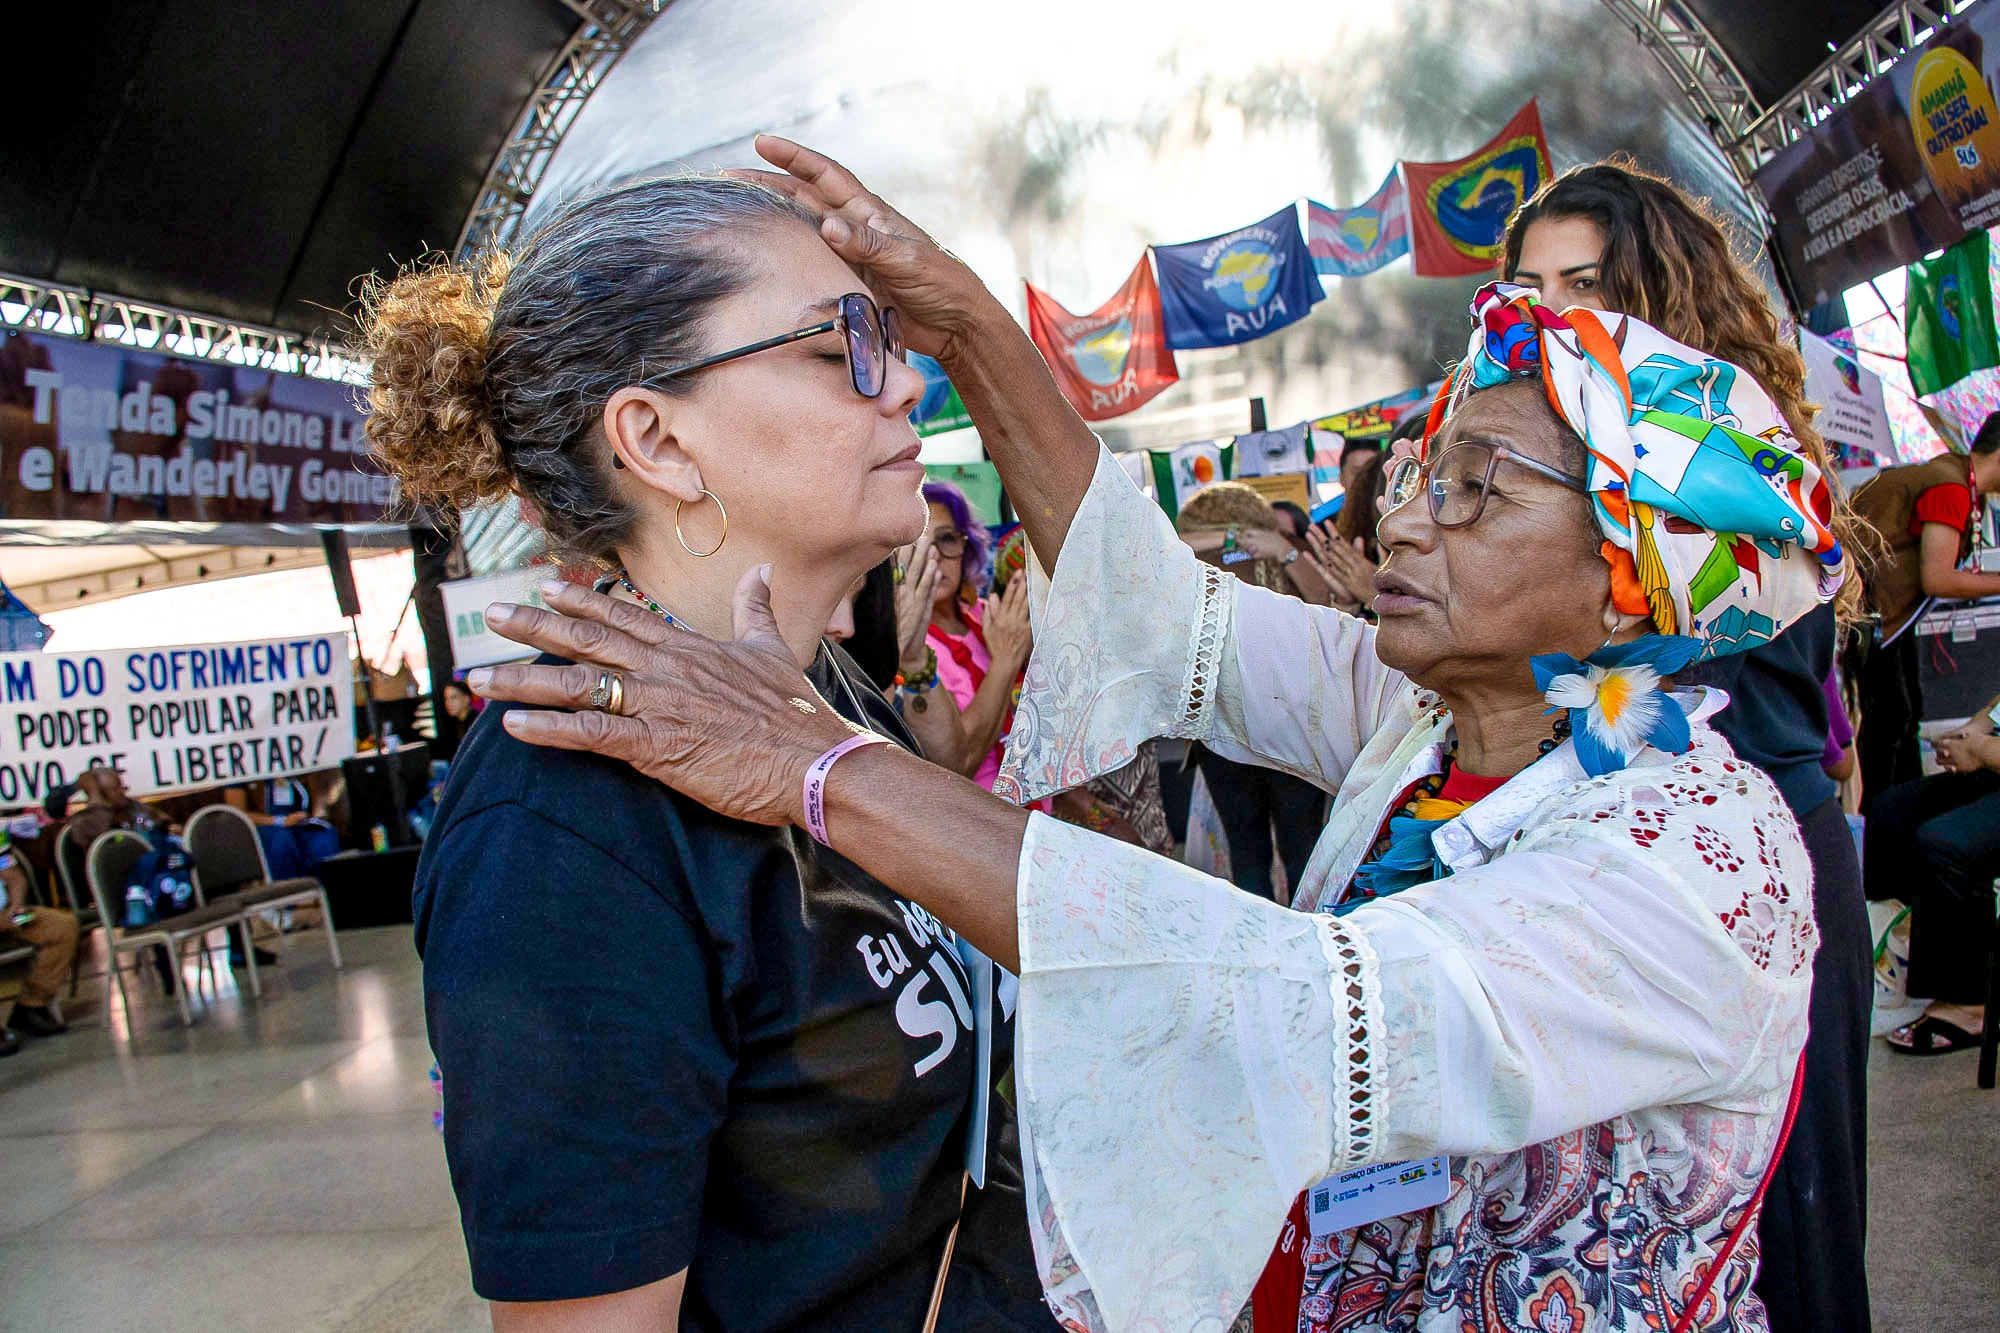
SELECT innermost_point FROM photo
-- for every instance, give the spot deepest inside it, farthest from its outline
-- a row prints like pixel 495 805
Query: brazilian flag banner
pixel 1948 315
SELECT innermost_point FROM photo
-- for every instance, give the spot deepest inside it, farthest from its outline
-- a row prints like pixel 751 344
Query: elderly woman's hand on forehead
pixel 937 297
pixel 733 723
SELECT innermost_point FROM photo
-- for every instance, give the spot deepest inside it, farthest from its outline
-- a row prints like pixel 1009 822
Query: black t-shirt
pixel 672 1040
pixel 1776 718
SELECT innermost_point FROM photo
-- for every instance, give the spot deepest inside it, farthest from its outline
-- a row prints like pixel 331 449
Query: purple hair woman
pixel 981 647
pixel 971 553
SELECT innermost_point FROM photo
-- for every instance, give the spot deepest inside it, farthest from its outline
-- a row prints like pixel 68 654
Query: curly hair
pixel 491 375
pixel 1667 261
pixel 1231 504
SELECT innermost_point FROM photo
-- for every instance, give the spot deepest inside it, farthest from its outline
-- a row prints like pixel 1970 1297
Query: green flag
pixel 1948 315
pixel 1179 473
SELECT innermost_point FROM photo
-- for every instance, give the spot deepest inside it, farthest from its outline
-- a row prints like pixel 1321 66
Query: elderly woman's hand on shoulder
pixel 732 723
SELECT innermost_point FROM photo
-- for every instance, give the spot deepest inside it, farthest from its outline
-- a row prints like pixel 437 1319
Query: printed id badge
pixel 980 968
pixel 1370 1193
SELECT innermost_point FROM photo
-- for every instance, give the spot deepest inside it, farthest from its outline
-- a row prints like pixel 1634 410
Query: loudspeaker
pixel 334 542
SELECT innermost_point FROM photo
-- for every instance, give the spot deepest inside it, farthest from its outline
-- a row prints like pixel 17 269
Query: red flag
pixel 1112 360
pixel 1459 210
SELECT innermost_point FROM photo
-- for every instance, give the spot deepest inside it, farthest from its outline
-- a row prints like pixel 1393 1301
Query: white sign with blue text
pixel 177 718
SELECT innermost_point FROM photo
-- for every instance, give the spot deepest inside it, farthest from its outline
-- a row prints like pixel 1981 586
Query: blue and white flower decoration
pixel 1616 706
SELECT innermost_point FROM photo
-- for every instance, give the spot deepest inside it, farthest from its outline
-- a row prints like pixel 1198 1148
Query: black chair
pixel 229 863
pixel 69 864
pixel 107 867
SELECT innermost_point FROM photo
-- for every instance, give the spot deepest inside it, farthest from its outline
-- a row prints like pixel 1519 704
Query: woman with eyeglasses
pixel 698 1072
pixel 1528 1050
pixel 1611 237
pixel 977 647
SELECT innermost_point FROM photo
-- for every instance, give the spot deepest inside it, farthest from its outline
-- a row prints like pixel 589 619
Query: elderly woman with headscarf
pixel 1528 1050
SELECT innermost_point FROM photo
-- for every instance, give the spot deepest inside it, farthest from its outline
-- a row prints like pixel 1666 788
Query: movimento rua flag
pixel 1459 210
pixel 1237 286
pixel 1948 315
pixel 1349 242
pixel 1113 359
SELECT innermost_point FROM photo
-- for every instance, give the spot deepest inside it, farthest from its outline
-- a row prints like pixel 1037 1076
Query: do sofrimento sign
pixel 171 719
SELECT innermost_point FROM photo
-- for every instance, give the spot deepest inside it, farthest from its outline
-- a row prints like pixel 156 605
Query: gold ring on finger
pixel 616 706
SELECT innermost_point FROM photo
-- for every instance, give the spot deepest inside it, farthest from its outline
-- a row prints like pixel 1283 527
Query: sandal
pixel 1931 1035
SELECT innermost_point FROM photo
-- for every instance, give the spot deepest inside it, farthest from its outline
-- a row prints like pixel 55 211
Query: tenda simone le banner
pixel 103 433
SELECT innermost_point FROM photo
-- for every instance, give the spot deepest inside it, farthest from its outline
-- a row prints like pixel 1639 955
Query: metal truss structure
pixel 609 28
pixel 1893 32
pixel 1698 65
pixel 77 312
pixel 1748 133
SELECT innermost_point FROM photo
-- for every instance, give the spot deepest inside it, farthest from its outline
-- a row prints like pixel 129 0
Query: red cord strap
pixel 1749 1218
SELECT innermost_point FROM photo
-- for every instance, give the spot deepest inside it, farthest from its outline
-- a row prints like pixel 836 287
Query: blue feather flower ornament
pixel 1615 703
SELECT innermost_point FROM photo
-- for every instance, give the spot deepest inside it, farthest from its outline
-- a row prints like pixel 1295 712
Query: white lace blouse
pixel 1598 1016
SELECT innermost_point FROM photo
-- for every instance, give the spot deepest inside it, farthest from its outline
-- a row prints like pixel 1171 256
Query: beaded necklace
pixel 1402 854
pixel 625 582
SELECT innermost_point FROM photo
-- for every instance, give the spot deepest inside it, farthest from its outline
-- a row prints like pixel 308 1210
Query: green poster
pixel 1948 315
pixel 979 481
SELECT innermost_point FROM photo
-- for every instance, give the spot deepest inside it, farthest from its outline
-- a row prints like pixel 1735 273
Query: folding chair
pixel 229 863
pixel 107 866
pixel 69 864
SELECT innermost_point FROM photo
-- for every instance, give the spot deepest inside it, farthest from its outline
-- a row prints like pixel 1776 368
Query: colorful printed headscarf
pixel 1715 523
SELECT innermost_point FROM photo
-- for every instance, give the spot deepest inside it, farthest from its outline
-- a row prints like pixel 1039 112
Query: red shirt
pixel 1950 505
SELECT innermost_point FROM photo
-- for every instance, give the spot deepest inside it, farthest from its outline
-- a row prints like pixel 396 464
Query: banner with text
pixel 1238 286
pixel 171 719
pixel 1113 359
pixel 1853 411
pixel 111 434
pixel 1906 166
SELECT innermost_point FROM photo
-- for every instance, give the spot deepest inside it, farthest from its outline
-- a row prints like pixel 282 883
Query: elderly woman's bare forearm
pixel 934 837
pixel 1045 453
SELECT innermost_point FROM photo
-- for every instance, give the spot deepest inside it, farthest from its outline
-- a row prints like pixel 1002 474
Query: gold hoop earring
pixel 702 555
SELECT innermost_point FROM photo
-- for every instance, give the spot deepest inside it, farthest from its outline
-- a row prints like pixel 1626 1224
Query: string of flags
pixel 1449 217
pixel 1312 448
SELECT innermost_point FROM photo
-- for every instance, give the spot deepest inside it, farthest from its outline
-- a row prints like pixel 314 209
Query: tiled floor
pixel 272 1168
pixel 275 1168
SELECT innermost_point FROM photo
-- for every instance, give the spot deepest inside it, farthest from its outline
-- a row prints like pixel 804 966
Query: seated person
pixel 1935 844
pixel 107 806
pixel 295 839
pixel 51 931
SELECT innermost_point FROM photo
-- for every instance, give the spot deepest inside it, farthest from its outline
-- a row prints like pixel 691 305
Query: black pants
pixel 1812 1276
pixel 1253 803
pixel 1935 844
pixel 1892 704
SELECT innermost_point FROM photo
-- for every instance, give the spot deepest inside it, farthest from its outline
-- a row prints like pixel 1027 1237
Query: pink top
pixel 963 661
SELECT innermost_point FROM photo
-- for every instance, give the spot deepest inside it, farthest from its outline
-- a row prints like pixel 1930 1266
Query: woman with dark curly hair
pixel 698 1073
pixel 1611 237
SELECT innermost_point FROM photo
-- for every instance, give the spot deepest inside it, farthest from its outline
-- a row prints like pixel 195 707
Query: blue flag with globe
pixel 1237 286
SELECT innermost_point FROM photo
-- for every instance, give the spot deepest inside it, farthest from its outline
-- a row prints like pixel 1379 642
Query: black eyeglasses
pixel 948 543
pixel 1459 479
pixel 870 336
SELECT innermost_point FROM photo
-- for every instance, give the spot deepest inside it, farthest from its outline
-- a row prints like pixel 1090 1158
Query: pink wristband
pixel 816 781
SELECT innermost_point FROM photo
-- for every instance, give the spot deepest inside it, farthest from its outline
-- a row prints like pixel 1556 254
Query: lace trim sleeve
pixel 1189 1059
pixel 1130 633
